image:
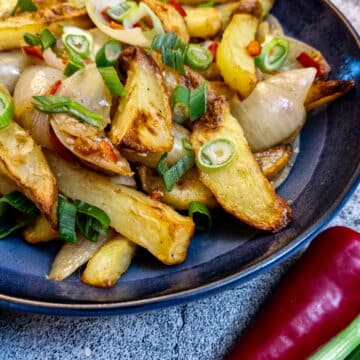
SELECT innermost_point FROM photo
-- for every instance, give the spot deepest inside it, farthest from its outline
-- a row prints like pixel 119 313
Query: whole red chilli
pixel 317 299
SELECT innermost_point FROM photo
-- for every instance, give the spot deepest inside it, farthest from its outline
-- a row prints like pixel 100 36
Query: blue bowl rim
pixel 185 296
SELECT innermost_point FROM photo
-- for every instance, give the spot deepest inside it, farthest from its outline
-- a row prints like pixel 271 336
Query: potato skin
pixel 240 187
pixel 13 28
pixel 149 223
pixel 235 64
pixel 22 160
pixel 109 263
pixel 142 121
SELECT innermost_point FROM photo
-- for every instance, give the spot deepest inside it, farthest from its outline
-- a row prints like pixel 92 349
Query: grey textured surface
pixel 201 330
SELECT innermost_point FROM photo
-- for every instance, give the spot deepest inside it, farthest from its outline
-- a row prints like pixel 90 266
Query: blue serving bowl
pixel 326 172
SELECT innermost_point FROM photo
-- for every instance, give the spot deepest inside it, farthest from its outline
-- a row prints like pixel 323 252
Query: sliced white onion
pixel 296 47
pixel 35 80
pixel 123 180
pixel 135 36
pixel 52 60
pixel 88 88
pixel 72 256
pixel 12 64
pixel 269 29
pixel 274 112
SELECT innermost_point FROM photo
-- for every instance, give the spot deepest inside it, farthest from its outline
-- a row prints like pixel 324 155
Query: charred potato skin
pixel 273 160
pixel 24 163
pixel 143 127
pixel 171 20
pixel 325 91
pixel 251 198
pixel 12 29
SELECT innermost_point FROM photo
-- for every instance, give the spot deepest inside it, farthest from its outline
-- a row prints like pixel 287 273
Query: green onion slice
pixel 169 40
pixel 78 42
pixel 112 81
pixel 173 174
pixel 31 39
pixel 24 5
pixel 201 215
pixel 63 104
pixel 66 212
pixel 207 4
pixel 91 220
pixel 355 355
pixel 273 55
pixel 16 211
pixel 6 110
pixel 173 58
pixel 73 66
pixel 342 345
pixel 108 54
pixel 180 99
pixel 215 154
pixel 119 11
pixel 198 101
pixel 198 58
pixel 47 39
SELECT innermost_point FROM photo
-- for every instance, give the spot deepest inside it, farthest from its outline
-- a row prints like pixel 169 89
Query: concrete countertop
pixel 204 329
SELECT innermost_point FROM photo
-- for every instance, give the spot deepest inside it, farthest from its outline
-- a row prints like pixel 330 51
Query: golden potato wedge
pixel 212 73
pixel 326 91
pixel 266 6
pixel 23 162
pixel 72 256
pixel 146 222
pixel 240 187
pixel 273 160
pixel 7 185
pixel 189 188
pixel 203 22
pixel 39 231
pixel 235 64
pixel 13 28
pixel 142 121
pixel 175 154
pixel 227 10
pixel 109 263
pixel 170 18
pixel 221 89
pixel 198 2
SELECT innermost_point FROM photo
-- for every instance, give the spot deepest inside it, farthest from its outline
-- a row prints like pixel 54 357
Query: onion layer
pixel 274 112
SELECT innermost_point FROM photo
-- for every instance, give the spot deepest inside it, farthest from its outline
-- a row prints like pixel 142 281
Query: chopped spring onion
pixel 24 5
pixel 108 54
pixel 169 40
pixel 201 215
pixel 63 104
pixel 206 4
pixel 6 110
pixel 198 58
pixel 173 174
pixel 342 344
pixel 91 221
pixel 16 211
pixel 355 355
pixel 215 154
pixel 78 42
pixel 31 39
pixel 73 66
pixel 46 39
pixel 119 11
pixel 112 81
pixel 273 55
pixel 173 58
pixel 179 100
pixel 134 16
pixel 198 101
pixel 66 212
